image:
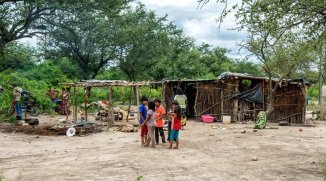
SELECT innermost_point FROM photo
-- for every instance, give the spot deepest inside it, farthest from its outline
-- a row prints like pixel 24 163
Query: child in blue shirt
pixel 142 118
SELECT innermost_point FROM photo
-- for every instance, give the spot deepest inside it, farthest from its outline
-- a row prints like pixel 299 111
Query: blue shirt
pixel 143 112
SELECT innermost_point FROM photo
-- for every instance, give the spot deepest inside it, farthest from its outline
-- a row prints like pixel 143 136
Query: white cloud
pixel 200 23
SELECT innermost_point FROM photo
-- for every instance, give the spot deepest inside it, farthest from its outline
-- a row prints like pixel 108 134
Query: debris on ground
pixel 254 159
pixel 32 121
pixel 243 131
pixel 255 130
pixel 284 123
pixel 126 128
pixel 49 130
pixel 300 129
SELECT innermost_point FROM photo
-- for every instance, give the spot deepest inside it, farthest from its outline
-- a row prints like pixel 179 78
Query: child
pixel 159 114
pixel 176 126
pixel 142 118
pixel 174 103
pixel 151 123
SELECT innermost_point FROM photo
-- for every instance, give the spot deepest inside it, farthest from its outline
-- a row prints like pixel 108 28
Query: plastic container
pixel 207 118
pixel 226 119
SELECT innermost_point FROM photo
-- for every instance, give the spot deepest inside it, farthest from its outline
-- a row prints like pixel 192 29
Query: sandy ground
pixel 205 154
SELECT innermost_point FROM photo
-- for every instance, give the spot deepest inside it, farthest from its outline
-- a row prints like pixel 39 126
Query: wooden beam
pixel 74 110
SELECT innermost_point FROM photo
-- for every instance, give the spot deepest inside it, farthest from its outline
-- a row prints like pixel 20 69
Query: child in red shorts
pixel 142 118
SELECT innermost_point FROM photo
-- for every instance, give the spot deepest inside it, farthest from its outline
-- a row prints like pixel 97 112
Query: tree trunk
pixel 320 82
pixel 135 95
pixel 270 107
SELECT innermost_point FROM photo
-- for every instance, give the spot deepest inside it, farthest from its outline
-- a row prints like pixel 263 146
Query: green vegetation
pixel 322 164
pixel 140 178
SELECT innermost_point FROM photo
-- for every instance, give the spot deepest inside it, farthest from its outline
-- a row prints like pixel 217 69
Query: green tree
pixel 17 57
pixel 86 36
pixel 280 57
pixel 21 19
pixel 215 59
pixel 143 41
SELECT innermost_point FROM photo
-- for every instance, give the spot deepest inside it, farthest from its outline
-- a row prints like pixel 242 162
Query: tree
pixel 280 57
pixel 286 15
pixel 281 33
pixel 17 57
pixel 215 59
pixel 21 19
pixel 87 36
pixel 144 39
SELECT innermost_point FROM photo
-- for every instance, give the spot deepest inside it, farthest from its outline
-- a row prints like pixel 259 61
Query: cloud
pixel 200 23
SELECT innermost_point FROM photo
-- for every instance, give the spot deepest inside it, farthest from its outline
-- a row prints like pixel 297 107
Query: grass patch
pixel 139 178
pixel 7 119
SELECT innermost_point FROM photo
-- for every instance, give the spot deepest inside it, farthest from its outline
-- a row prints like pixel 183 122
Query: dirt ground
pixel 205 154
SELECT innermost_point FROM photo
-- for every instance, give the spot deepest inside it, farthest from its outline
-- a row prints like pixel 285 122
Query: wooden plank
pixel 236 105
pixel 222 103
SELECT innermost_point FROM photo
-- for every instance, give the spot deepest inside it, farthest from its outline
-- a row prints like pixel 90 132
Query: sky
pixel 201 24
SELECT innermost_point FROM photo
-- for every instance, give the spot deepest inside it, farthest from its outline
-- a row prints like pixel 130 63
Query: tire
pixel 36 110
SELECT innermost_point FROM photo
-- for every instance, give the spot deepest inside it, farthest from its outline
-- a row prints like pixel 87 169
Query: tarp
pixel 253 95
pixel 261 120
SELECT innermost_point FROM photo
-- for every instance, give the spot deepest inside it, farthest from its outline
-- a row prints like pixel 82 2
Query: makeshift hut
pixel 240 96
pixel 109 84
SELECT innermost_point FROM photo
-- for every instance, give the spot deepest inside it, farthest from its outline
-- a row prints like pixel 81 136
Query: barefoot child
pixel 151 124
pixel 176 126
pixel 142 118
pixel 159 115
pixel 170 118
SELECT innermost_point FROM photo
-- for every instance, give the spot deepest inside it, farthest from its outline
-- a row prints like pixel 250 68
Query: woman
pixel 65 101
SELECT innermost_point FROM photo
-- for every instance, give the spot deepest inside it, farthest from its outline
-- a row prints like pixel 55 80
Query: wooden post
pixel 137 95
pixel 196 99
pixel 111 113
pixel 236 104
pixel 165 99
pixel 222 103
pixel 86 101
pixel 74 106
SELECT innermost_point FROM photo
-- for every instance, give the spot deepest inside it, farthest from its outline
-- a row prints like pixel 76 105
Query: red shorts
pixel 143 131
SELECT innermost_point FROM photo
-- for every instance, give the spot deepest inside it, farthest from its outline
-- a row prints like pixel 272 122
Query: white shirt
pixel 181 99
pixel 151 121
pixel 17 93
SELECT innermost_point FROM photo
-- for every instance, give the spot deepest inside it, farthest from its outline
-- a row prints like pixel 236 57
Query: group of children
pixel 152 123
